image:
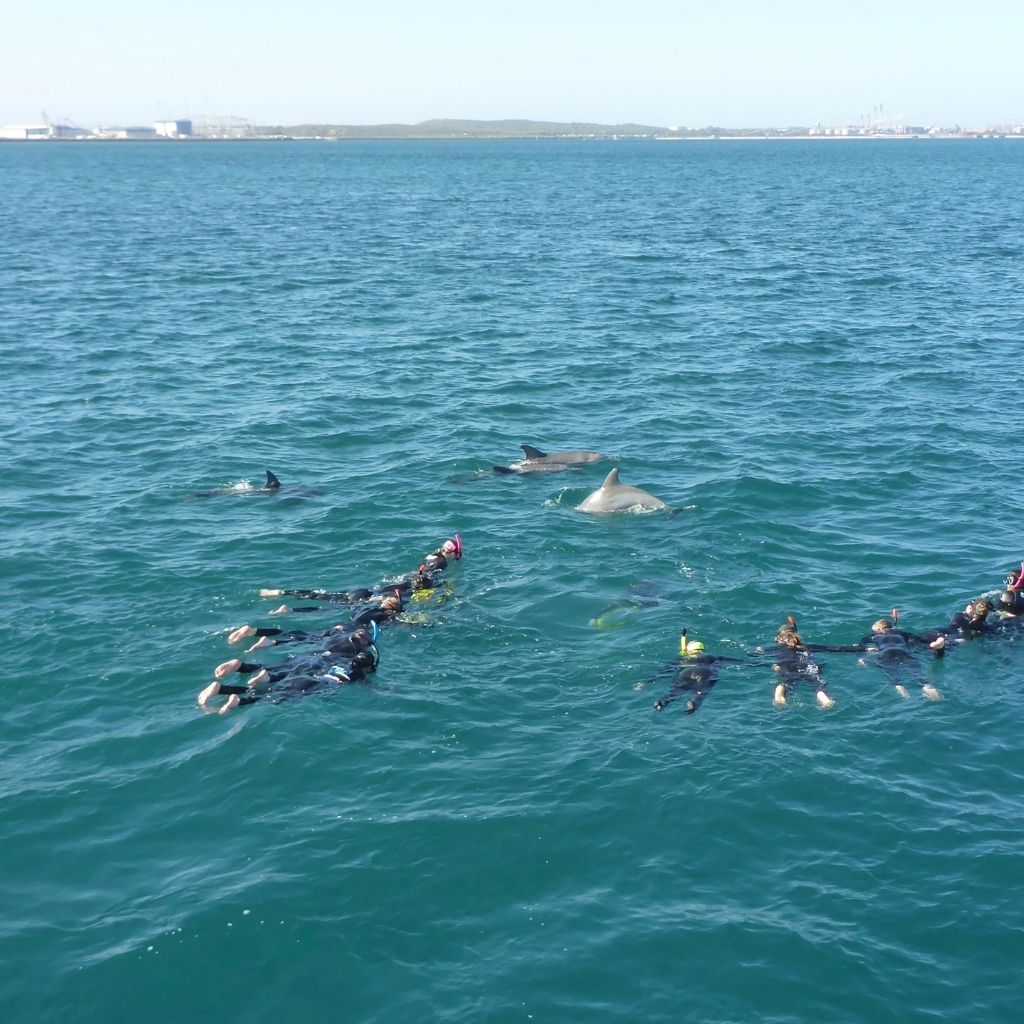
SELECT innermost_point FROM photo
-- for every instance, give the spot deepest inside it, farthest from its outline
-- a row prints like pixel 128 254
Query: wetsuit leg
pixel 902 668
pixel 291 636
pixel 695 679
pixel 246 694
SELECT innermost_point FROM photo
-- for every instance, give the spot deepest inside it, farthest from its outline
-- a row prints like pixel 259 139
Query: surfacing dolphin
pixel 537 461
pixel 613 496
pixel 270 487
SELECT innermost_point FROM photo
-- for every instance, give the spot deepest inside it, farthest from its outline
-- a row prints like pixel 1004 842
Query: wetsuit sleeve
pixel 914 638
pixel 836 648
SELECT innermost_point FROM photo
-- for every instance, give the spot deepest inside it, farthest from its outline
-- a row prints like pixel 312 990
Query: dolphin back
pixel 614 496
pixel 533 453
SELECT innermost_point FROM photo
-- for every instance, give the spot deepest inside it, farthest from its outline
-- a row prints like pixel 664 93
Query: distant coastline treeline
pixel 442 128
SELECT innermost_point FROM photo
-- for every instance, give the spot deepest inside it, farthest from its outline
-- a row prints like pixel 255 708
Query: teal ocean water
pixel 812 350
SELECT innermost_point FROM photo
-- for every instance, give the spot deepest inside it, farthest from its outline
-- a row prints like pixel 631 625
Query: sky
pixel 731 63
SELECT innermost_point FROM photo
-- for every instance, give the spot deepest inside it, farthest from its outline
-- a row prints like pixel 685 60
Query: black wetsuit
pixel 432 567
pixel 335 597
pixel 308 664
pixel 334 639
pixel 401 588
pixel 960 625
pixel 796 665
pixel 378 615
pixel 893 656
pixel 287 685
pixel 693 673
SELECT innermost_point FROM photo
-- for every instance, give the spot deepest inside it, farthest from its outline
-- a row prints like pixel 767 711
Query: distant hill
pixel 440 128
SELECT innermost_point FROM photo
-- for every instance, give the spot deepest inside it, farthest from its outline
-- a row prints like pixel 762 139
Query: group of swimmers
pixel 695 672
pixel 347 652
pixel 344 653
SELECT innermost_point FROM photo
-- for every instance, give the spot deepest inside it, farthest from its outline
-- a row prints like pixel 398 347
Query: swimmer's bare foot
pixel 226 668
pixel 204 695
pixel 283 610
pixel 780 695
pixel 639 686
pixel 264 641
pixel 230 704
pixel 271 593
pixel 902 691
pixel 938 643
pixel 930 693
pixel 242 633
pixel 261 677
pixel 690 707
pixel 824 700
pixel 659 705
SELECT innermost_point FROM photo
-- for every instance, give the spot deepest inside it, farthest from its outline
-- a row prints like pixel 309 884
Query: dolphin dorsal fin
pixel 272 483
pixel 533 453
pixel 612 479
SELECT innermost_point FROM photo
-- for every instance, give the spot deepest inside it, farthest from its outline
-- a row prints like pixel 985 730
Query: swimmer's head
pixel 392 603
pixel 981 608
pixel 1008 600
pixel 787 630
pixel 422 581
pixel 881 626
pixel 450 549
pixel 364 660
pixel 693 648
pixel 790 637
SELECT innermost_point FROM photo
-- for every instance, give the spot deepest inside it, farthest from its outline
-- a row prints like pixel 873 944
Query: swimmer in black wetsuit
pixel 403 587
pixel 272 636
pixel 694 672
pixel 889 649
pixel 426 574
pixel 965 625
pixel 795 663
pixel 1011 607
pixel 289 685
pixel 389 607
pixel 332 644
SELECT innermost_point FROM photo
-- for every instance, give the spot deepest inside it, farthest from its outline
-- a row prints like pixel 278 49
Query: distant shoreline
pixel 964 137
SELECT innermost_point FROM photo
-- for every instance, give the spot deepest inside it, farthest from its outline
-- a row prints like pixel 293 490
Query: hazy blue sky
pixel 731 62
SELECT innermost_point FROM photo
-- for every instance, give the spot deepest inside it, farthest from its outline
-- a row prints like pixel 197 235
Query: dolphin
pixel 613 496
pixel 270 487
pixel 537 461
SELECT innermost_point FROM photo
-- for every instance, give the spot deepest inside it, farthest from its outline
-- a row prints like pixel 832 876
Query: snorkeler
pixel 333 643
pixel 890 651
pixel 1011 605
pixel 290 685
pixel 388 610
pixel 406 586
pixel 965 625
pixel 795 663
pixel 694 672
pixel 423 576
